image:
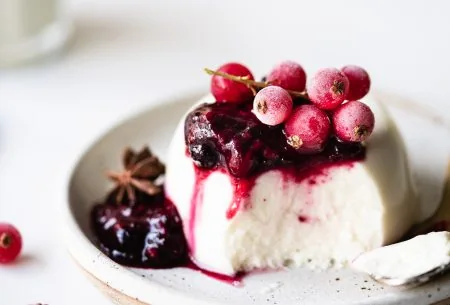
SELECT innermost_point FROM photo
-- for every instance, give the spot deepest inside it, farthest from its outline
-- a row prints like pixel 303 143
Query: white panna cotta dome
pixel 320 221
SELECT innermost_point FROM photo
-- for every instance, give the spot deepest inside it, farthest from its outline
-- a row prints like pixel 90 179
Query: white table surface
pixel 128 54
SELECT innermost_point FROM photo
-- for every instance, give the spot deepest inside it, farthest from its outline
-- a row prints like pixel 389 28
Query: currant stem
pixel 250 83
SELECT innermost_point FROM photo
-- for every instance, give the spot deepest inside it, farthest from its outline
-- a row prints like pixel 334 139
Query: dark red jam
pixel 229 136
pixel 146 234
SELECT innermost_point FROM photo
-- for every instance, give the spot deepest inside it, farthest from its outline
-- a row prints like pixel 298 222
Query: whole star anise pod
pixel 142 169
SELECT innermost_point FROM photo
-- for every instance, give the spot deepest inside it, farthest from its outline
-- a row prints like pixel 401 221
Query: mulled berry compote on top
pixel 229 136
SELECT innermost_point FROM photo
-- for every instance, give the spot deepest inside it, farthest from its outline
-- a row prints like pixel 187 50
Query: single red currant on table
pixel 288 75
pixel 353 122
pixel 307 129
pixel 226 90
pixel 328 88
pixel 272 105
pixel 10 243
pixel 359 82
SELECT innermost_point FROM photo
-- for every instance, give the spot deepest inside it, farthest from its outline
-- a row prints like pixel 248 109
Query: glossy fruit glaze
pixel 229 136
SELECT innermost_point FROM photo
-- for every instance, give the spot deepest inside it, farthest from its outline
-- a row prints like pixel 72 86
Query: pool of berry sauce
pixel 148 232
pixel 145 234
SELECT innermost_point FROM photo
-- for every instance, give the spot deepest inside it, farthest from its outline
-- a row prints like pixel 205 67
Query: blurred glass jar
pixel 30 29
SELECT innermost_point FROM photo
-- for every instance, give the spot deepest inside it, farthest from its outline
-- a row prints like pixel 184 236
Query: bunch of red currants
pixel 332 101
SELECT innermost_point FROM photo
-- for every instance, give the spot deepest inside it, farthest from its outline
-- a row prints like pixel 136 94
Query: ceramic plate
pixel 154 127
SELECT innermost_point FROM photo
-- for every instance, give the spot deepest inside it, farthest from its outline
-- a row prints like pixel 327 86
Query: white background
pixel 128 54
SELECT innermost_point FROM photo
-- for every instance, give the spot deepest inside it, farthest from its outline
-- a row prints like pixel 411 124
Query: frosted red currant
pixel 272 105
pixel 288 75
pixel 307 129
pixel 359 82
pixel 226 90
pixel 328 88
pixel 10 243
pixel 353 122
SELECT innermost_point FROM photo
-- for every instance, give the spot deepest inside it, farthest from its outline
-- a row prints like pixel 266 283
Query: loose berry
pixel 353 122
pixel 10 243
pixel 288 75
pixel 226 90
pixel 328 88
pixel 272 105
pixel 307 129
pixel 359 82
pixel 204 155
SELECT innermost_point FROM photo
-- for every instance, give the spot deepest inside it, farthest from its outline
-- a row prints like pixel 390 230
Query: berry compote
pixel 229 136
pixel 147 233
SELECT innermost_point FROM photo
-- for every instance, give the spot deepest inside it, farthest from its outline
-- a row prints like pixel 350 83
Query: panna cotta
pixel 249 202
pixel 264 175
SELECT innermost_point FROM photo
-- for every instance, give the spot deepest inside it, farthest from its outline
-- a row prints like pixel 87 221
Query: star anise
pixel 142 169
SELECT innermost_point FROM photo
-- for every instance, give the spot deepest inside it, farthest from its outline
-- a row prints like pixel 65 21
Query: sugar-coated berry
pixel 307 129
pixel 272 105
pixel 353 122
pixel 226 90
pixel 288 75
pixel 359 82
pixel 10 243
pixel 328 88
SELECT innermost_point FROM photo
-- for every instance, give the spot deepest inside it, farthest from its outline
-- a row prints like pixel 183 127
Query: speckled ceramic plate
pixel 137 286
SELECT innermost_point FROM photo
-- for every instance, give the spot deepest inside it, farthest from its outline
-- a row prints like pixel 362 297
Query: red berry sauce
pixel 146 234
pixel 230 137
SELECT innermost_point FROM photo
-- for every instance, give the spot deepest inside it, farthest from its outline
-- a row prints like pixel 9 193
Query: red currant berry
pixel 359 82
pixel 307 129
pixel 272 105
pixel 288 75
pixel 353 122
pixel 10 243
pixel 226 90
pixel 328 88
